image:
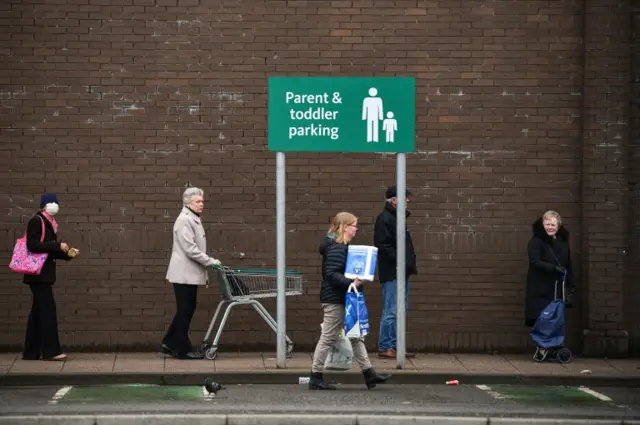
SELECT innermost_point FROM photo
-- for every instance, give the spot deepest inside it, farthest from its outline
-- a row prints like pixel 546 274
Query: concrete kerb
pixel 280 377
pixel 159 419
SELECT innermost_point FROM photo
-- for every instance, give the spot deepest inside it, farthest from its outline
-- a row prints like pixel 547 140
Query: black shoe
pixel 193 355
pixel 164 349
pixel 316 382
pixel 371 378
pixel 25 357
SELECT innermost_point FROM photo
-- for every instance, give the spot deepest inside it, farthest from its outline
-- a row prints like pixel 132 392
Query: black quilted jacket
pixel 334 283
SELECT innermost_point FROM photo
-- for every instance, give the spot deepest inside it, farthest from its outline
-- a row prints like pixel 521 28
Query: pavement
pixel 260 368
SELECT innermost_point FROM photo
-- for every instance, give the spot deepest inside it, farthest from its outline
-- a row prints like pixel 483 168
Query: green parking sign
pixel 341 114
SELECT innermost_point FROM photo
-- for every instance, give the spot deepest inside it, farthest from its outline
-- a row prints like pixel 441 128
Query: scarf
pixel 51 220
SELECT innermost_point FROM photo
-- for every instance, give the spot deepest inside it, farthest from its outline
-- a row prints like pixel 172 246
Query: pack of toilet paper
pixel 361 262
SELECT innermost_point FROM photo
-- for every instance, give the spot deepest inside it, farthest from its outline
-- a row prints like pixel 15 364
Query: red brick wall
pixel 117 107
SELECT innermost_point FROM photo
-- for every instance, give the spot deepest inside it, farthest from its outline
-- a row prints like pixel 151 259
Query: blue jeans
pixel 387 336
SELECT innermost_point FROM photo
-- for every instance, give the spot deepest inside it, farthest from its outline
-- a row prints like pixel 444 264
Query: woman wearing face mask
pixel 41 341
pixel 549 260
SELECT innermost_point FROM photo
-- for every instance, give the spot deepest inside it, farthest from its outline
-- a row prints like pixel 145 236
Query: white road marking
pixel 492 393
pixel 59 395
pixel 596 394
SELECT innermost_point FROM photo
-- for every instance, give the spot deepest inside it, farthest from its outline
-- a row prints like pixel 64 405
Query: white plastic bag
pixel 340 355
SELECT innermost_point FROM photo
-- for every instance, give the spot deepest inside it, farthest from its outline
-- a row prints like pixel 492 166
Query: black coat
pixel 49 244
pixel 545 253
pixel 334 283
pixel 384 238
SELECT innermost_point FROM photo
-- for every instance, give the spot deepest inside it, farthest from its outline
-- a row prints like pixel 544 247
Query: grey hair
pixel 190 193
pixel 552 214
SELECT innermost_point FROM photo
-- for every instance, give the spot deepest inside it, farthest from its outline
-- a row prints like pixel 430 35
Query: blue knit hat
pixel 48 198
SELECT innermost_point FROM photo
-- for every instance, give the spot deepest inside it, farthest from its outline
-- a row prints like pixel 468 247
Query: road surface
pixel 438 400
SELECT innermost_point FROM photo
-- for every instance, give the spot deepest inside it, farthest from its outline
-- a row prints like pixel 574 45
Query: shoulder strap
pixel 554 255
pixel 42 235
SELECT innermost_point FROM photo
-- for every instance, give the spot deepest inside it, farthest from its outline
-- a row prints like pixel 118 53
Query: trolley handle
pixel 555 286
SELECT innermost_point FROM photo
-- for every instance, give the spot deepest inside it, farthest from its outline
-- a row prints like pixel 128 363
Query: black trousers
pixel 177 337
pixel 41 340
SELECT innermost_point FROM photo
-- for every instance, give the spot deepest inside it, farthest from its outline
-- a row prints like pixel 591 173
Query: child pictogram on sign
pixel 390 126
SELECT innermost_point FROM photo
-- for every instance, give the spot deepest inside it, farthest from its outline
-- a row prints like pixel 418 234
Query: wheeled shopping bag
pixel 549 330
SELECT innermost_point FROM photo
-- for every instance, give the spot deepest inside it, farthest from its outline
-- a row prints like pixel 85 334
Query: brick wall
pixel 634 177
pixel 116 106
pixel 605 169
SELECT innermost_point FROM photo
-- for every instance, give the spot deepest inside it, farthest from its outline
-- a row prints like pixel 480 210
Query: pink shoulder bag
pixel 26 262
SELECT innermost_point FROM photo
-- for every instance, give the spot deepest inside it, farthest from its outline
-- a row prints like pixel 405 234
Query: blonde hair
pixel 339 224
pixel 552 214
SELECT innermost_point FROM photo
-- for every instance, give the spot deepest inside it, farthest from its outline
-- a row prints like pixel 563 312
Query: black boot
pixel 316 382
pixel 371 378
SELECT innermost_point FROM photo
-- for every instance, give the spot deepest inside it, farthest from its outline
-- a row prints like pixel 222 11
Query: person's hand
pixel 561 269
pixel 216 264
pixel 357 282
pixel 73 252
pixel 64 247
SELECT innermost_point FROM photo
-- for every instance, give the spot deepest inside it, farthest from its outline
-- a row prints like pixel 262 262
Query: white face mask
pixel 52 208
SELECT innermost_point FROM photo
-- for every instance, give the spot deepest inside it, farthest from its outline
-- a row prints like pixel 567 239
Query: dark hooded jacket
pixel 334 283
pixel 545 253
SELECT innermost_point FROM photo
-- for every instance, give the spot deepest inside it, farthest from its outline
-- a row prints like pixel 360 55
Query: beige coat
pixel 189 262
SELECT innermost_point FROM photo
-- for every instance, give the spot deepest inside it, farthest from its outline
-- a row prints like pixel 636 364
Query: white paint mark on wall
pixel 227 99
pixel 164 152
pixel 195 22
pixel 460 93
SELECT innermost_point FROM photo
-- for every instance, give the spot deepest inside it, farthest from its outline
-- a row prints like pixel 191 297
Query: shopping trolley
pixel 246 286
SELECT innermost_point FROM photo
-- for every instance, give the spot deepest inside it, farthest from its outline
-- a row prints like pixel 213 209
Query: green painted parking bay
pixel 546 395
pixel 132 393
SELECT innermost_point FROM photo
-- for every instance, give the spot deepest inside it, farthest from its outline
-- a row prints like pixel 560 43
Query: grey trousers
pixel 332 324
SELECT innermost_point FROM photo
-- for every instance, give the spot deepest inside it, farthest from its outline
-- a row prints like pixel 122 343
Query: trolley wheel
pixel 563 355
pixel 289 351
pixel 211 353
pixel 540 355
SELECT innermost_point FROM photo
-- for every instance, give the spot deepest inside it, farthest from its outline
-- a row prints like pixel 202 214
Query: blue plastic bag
pixel 356 315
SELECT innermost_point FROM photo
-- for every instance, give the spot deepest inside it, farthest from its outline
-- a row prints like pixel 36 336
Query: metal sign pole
pixel 401 274
pixel 281 251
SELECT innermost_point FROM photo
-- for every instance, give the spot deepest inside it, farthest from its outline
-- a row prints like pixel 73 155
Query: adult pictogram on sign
pixel 372 112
